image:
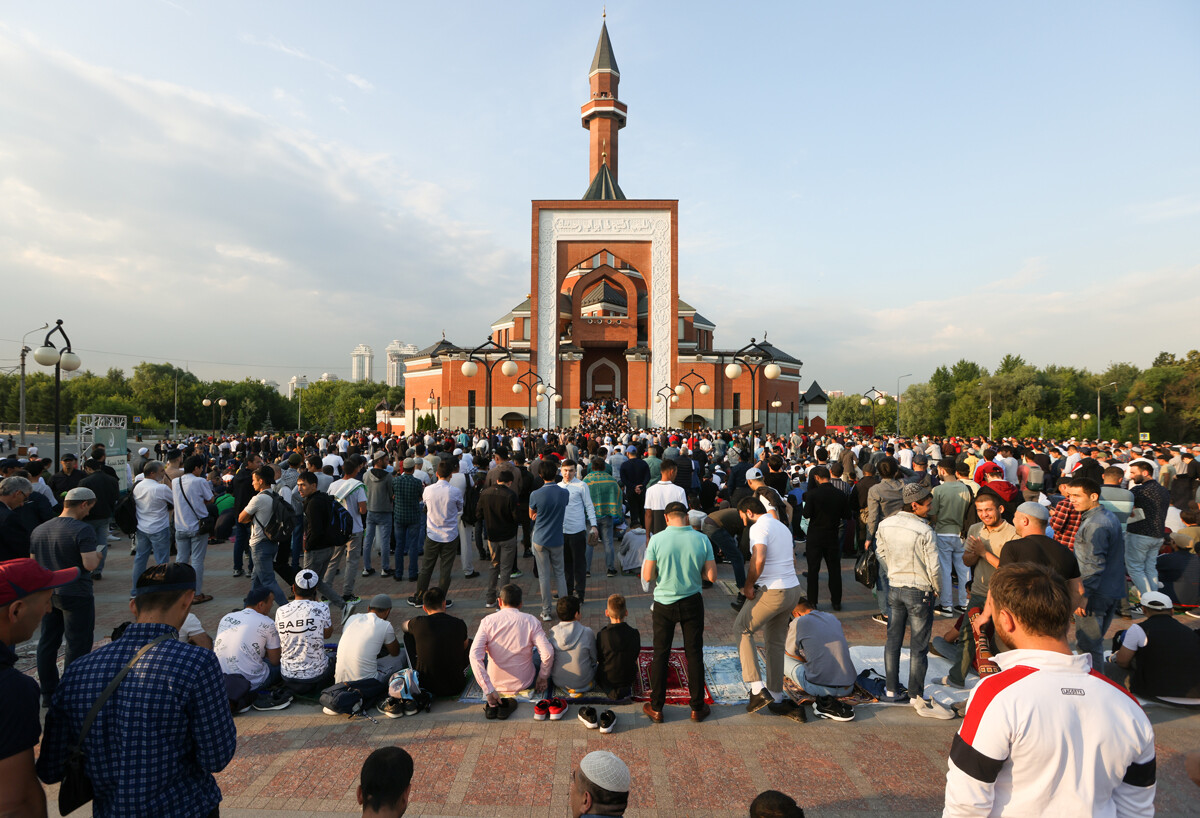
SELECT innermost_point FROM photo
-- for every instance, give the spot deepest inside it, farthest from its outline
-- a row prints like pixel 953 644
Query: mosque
pixel 603 322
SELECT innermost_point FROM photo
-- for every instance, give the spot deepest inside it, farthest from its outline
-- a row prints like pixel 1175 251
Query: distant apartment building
pixel 396 355
pixel 362 363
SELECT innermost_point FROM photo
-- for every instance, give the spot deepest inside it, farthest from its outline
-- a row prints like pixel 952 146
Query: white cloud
pixel 1176 207
pixel 274 44
pixel 248 254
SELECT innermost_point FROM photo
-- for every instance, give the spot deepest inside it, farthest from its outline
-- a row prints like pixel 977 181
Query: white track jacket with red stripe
pixel 1050 736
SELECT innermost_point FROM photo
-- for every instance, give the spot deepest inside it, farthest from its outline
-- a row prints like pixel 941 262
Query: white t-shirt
pixel 779 563
pixel 243 639
pixel 1135 637
pixel 350 493
pixel 363 636
pixel 153 501
pixel 334 460
pixel 191 627
pixel 662 493
pixel 259 508
pixel 301 625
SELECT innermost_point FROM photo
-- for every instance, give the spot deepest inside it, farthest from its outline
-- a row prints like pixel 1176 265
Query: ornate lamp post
pixel 668 394
pixel 553 399
pixel 208 401
pixel 24 351
pixel 1129 410
pixel 487 354
pixel 431 400
pixel 774 404
pixel 527 382
pixel 877 398
pixel 700 384
pixel 756 358
pixel 49 355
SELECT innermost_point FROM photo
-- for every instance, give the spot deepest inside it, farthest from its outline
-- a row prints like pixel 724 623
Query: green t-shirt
pixel 679 553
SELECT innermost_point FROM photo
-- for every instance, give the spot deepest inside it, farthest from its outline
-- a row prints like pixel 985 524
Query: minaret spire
pixel 603 115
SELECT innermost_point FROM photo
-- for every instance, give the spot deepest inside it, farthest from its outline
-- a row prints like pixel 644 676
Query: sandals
pixel 201 598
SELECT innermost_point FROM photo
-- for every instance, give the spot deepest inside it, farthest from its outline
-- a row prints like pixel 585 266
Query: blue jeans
pixel 882 590
pixel 910 607
pixel 407 536
pixel 101 529
pixel 241 545
pixel 794 670
pixel 605 526
pixel 191 548
pixel 950 556
pixel 1141 561
pixel 724 542
pixel 1090 629
pixel 298 544
pixel 263 572
pixel 379 527
pixel 70 616
pixel 159 542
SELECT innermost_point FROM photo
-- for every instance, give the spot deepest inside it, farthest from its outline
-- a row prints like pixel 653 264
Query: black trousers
pixel 575 563
pixel 689 614
pixel 818 548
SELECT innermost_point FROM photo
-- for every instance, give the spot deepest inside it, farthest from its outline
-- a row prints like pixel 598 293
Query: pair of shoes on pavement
pixel 367 572
pixel 789 709
pixel 605 721
pixel 415 601
pixel 944 610
pixel 931 709
pixel 831 707
pixel 553 709
pixel 275 699
pixel 395 708
pixel 501 711
pixel 898 697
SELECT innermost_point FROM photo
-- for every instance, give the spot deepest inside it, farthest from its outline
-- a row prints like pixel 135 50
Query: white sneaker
pixel 547 617
pixel 931 709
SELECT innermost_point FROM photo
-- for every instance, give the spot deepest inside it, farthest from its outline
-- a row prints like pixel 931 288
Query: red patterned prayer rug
pixel 677 678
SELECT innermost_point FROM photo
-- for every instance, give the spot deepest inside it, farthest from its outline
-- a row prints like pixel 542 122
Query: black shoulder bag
pixel 76 787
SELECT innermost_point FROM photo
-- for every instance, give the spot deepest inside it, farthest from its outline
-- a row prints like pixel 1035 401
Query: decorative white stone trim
pixel 616 373
pixel 602 225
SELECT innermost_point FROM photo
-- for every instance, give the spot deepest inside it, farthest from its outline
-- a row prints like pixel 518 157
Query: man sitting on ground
pixel 439 644
pixel 385 783
pixel 368 649
pixel 818 660
pixel 502 655
pixel 574 648
pixel 600 786
pixel 303 626
pixel 617 645
pixel 247 642
pixel 1158 657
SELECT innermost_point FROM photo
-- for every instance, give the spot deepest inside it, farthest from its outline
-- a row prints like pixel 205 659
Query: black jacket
pixel 498 508
pixel 617 647
pixel 107 491
pixel 318 520
pixel 825 506
pixel 242 489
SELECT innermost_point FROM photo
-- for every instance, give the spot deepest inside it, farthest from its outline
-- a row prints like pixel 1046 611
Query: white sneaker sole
pixel 539 717
pixel 608 729
pixel 557 717
pixel 591 725
pixel 832 716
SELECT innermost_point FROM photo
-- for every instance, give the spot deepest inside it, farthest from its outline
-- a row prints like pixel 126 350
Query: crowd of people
pixel 1012 540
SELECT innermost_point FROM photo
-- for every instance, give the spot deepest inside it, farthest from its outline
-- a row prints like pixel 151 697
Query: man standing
pixel 352 494
pixel 320 538
pixel 1144 537
pixel 58 544
pixel 153 499
pixel 827 508
pixel 242 488
pixel 579 526
pixel 950 501
pixel 191 494
pixel 498 510
pixel 635 475
pixel 443 507
pixel 774 589
pixel 907 545
pixel 659 496
pixel 257 515
pixel 378 486
pixel 68 477
pixel 606 499
pixel 406 519
pixel 1046 719
pixel 547 509
pixel 147 760
pixel 25 590
pixel 108 494
pixel 1100 549
pixel 677 559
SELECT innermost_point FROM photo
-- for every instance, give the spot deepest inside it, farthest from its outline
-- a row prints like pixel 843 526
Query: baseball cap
pixel 754 473
pixel 21 577
pixel 913 492
pixel 631 450
pixel 675 507
pixel 1035 510
pixel 1156 601
pixel 605 770
pixel 381 602
pixel 81 493
pixel 307 579
pixel 67 456
pixel 920 459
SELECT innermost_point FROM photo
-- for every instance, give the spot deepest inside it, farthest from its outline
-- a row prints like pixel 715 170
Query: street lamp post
pixel 1114 383
pixel 25 350
pixel 666 393
pixel 534 380
pixel 483 353
pixel 909 375
pixel 208 401
pixel 774 404
pixel 700 384
pixel 1129 410
pixel 877 397
pixel 754 357
pixel 431 400
pixel 49 355
pixel 548 393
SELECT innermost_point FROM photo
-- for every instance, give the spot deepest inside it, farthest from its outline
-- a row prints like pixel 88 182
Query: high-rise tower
pixel 362 361
pixel 603 116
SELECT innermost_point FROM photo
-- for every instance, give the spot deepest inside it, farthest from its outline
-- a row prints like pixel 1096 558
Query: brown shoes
pixel 655 716
pixel 702 713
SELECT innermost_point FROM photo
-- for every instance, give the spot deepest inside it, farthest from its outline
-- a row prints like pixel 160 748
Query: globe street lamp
pixel 526 383
pixel 877 397
pixel 553 399
pixel 774 404
pixel 486 353
pixel 208 401
pixel 700 384
pixel 49 355
pixel 666 393
pixel 1129 410
pixel 756 358
pixel 431 400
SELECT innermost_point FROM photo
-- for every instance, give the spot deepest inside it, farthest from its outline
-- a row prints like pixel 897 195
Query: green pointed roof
pixel 604 59
pixel 603 187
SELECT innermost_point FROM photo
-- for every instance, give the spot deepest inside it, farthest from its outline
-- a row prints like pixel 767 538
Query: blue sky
pixel 882 186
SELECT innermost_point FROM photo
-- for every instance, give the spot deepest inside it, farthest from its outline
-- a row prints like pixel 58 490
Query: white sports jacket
pixel 1050 736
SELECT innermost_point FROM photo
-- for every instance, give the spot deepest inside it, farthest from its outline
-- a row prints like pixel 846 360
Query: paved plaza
pixel 888 761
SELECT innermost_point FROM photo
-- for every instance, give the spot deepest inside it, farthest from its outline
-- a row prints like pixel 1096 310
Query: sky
pixel 252 189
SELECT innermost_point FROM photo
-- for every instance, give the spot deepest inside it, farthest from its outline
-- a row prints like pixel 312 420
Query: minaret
pixel 604 114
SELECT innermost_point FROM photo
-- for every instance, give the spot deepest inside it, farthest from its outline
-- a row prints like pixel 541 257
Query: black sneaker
pixel 471 575
pixel 238 572
pixel 608 720
pixel 611 572
pixel 828 707
pixel 960 609
pixel 944 610
pixel 352 598
pixel 782 708
pixel 588 716
pixel 411 708
pixel 391 707
pixel 387 572
pixel 276 699
pixel 506 707
pixel 490 712
pixel 758 701
pixel 880 618
pixel 449 604
pixel 415 601
pixel 738 603
pixel 368 572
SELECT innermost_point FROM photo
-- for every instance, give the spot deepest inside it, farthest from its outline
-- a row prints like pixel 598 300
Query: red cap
pixel 22 577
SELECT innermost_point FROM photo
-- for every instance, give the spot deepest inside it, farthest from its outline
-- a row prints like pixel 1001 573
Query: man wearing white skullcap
pixel 600 786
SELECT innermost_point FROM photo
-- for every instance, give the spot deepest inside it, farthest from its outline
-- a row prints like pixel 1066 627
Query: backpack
pixel 342 698
pixel 405 685
pixel 341 524
pixel 279 528
pixel 471 500
pixel 125 514
pixel 1036 480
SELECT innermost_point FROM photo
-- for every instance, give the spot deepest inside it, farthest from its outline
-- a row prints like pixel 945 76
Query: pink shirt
pixel 507 639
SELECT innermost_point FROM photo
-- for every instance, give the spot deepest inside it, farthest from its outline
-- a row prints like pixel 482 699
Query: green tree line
pixel 1030 402
pixel 151 393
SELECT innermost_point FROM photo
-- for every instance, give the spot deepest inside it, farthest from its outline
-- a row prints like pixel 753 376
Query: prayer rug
pixel 677 678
